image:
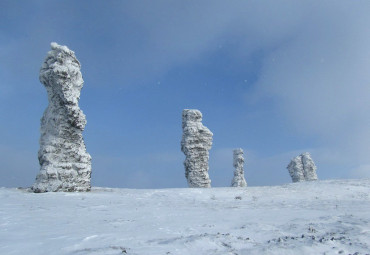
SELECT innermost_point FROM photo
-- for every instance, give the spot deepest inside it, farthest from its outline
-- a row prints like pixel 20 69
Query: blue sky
pixel 275 78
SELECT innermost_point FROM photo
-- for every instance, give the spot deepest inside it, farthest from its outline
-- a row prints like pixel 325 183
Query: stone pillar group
pixel 65 164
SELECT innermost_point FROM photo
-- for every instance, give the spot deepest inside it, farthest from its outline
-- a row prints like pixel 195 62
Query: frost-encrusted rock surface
pixel 238 180
pixel 65 164
pixel 309 167
pixel 196 143
pixel 295 169
pixel 302 168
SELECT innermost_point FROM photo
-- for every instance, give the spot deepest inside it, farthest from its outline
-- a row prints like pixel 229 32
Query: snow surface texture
pixel 65 164
pixel 302 168
pixel 238 180
pixel 196 143
pixel 322 217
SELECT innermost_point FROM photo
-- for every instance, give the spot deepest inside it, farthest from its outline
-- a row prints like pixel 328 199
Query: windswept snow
pixel 323 217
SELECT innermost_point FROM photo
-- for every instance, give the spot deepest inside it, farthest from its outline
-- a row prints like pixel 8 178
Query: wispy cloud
pixel 320 82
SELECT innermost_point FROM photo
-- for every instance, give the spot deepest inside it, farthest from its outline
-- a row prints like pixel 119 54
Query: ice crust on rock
pixel 64 163
pixel 238 180
pixel 302 168
pixel 195 144
pixel 295 169
pixel 309 167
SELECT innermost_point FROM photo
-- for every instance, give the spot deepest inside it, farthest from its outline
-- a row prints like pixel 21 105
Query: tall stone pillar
pixel 196 143
pixel 64 163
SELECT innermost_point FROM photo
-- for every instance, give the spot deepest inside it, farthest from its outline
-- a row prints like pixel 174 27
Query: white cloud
pixel 319 81
pixel 181 32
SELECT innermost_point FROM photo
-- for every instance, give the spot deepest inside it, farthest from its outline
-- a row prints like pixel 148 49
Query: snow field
pixel 322 217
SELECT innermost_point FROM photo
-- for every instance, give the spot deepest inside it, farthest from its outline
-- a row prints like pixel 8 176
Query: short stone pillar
pixel 238 180
pixel 302 168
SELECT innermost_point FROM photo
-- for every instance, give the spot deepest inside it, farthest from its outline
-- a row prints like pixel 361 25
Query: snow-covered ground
pixel 323 217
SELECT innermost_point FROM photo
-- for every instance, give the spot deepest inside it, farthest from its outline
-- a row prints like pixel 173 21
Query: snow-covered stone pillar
pixel 238 180
pixel 295 169
pixel 195 144
pixel 302 168
pixel 309 167
pixel 65 164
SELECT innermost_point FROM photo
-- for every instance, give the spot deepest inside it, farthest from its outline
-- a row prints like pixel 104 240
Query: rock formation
pixel 295 169
pixel 309 167
pixel 65 164
pixel 302 168
pixel 238 180
pixel 196 143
